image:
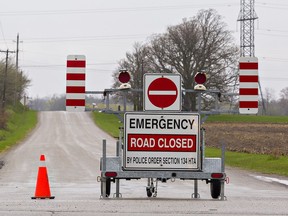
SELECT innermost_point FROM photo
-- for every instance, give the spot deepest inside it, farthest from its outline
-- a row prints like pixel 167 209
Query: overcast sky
pixel 104 30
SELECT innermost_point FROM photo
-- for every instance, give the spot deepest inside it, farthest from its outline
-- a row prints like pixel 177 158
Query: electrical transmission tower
pixel 246 18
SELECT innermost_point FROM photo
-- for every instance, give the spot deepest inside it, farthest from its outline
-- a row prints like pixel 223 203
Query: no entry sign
pixel 161 141
pixel 162 92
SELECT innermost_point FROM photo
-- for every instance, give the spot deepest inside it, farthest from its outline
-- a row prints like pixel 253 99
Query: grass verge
pixel 109 123
pixel 19 124
pixel 267 164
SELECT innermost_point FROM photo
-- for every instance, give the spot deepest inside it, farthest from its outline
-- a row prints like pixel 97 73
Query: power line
pixel 274 59
pixel 63 65
pixel 272 30
pixel 266 58
pixel 272 5
pixel 83 38
pixel 113 10
pixel 3 35
pixel 278 79
pixel 126 37
pixel 273 35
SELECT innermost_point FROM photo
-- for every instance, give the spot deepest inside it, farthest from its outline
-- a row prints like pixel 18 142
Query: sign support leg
pixel 117 181
pixel 222 195
pixel 199 102
pixel 103 178
pixel 107 101
pixel 196 195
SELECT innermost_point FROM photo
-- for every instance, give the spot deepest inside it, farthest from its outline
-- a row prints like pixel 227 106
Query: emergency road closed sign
pixel 161 141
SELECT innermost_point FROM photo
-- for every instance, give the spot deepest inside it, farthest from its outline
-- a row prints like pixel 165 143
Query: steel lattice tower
pixel 247 16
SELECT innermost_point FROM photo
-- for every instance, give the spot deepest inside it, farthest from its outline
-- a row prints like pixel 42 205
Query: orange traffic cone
pixel 42 190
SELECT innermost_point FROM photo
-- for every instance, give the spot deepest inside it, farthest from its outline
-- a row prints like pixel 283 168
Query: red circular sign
pixel 162 92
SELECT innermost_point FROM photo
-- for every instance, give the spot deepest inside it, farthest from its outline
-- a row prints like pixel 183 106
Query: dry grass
pixel 262 138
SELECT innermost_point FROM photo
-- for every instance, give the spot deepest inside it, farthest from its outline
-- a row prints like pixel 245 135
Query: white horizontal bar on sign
pixel 248 72
pixel 75 83
pixel 248 59
pixel 248 85
pixel 75 108
pixel 75 96
pixel 248 110
pixel 248 98
pixel 77 70
pixel 74 57
pixel 152 92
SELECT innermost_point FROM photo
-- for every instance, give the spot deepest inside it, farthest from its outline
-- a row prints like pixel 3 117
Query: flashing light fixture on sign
pixel 248 89
pixel 124 76
pixel 200 78
pixel 162 92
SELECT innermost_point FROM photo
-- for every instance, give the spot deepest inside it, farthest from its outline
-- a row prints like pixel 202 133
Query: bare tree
pixel 284 94
pixel 276 106
pixel 199 44
pixel 136 62
pixel 283 101
pixel 271 104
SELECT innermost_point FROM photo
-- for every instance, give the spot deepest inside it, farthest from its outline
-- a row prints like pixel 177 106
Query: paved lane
pixel 72 145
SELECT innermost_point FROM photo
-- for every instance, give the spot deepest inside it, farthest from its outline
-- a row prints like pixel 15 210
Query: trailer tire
pixel 215 188
pixel 149 192
pixel 108 188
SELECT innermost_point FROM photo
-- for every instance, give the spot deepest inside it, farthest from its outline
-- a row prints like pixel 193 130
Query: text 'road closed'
pixel 161 142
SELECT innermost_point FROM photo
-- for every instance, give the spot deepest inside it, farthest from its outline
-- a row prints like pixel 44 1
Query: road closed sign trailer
pixel 167 141
pixel 162 143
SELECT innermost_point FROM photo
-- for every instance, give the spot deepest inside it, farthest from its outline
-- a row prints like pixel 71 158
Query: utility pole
pixel 246 17
pixel 17 51
pixel 17 67
pixel 5 79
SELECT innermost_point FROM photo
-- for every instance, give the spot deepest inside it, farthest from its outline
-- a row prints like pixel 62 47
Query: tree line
pixel 274 105
pixel 58 102
pixel 13 83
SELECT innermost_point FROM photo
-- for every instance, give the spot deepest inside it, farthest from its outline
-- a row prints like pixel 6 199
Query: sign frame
pixel 150 78
pixel 137 157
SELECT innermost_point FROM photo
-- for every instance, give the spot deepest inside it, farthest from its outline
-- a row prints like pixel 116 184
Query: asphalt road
pixel 72 145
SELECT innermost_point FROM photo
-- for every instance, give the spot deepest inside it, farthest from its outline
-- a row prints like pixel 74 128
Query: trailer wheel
pixel 215 188
pixel 150 189
pixel 149 192
pixel 108 188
